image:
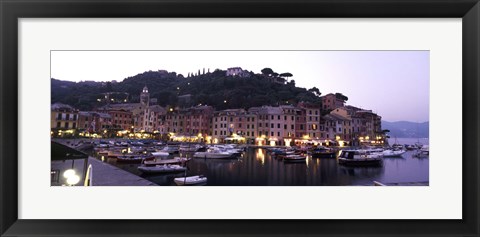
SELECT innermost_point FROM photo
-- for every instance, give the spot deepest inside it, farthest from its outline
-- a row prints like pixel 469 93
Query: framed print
pixel 250 118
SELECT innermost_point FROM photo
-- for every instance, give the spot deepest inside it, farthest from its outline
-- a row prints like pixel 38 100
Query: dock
pixel 104 174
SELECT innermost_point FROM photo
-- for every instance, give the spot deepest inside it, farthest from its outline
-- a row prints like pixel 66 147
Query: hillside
pixel 405 129
pixel 213 89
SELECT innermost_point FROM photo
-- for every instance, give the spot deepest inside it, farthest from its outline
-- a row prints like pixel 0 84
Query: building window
pixel 314 127
pixel 253 126
pixel 271 134
pixel 278 125
pixel 293 118
pixel 293 127
pixel 253 134
pixel 59 116
pixel 284 126
pixel 278 117
pixel 248 133
pixel 271 126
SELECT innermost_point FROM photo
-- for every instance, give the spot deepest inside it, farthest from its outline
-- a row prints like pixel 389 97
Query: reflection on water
pixel 257 168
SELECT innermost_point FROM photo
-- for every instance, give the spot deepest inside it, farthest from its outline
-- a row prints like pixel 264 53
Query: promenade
pixel 108 175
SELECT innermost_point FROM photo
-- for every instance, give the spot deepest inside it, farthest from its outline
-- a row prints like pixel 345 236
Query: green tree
pixel 267 71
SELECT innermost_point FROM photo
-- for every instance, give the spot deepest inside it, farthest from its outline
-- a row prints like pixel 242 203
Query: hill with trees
pixel 212 88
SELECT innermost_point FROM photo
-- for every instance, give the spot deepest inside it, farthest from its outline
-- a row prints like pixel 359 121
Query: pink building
pixel 332 101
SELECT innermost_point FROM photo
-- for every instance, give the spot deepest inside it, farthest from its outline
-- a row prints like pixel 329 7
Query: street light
pixel 71 176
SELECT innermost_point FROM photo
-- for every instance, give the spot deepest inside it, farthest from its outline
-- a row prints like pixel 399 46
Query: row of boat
pixel 348 157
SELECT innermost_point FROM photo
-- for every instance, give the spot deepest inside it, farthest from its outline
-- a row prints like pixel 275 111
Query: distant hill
pixel 405 129
pixel 212 88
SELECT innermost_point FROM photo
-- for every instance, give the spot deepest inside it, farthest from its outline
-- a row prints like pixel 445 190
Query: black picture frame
pixel 11 11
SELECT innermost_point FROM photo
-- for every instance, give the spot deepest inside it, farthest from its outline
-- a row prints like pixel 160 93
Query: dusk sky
pixel 394 84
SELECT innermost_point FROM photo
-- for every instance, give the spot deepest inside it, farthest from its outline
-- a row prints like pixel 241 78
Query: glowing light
pixel 171 109
pixel 72 180
pixel 224 101
pixel 68 173
pixel 287 142
pixel 337 138
pixel 260 155
pixel 272 143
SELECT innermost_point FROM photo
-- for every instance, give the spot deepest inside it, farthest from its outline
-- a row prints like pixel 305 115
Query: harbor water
pixel 257 168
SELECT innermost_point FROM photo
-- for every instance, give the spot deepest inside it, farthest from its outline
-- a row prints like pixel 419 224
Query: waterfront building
pixel 197 120
pixel 121 118
pixel 364 125
pixel 94 122
pixel 332 101
pixel 276 125
pixel 336 128
pixel 63 117
pixel 313 117
pixel 193 124
pixel 227 124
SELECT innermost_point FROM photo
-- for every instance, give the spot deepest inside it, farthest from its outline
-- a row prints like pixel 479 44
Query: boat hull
pixel 192 180
pixel 360 162
pixel 161 170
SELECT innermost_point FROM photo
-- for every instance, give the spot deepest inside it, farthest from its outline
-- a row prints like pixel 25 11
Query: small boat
pixel 213 153
pixel 294 158
pixel 191 180
pixel 323 152
pixel 360 158
pixel 160 154
pixel 411 147
pixel 190 148
pixel 393 153
pixel 170 149
pixel 133 159
pixel 423 152
pixel 161 169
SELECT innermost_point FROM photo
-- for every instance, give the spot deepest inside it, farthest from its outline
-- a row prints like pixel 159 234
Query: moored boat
pixel 393 153
pixel 323 152
pixel 294 158
pixel 360 158
pixel 161 169
pixel 423 152
pixel 133 159
pixel 214 153
pixel 191 180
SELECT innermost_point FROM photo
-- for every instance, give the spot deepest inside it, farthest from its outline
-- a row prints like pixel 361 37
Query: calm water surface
pixel 257 168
